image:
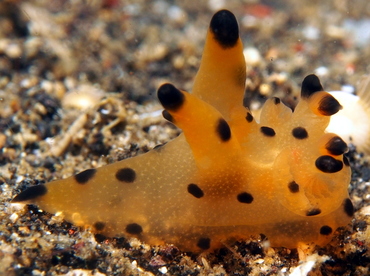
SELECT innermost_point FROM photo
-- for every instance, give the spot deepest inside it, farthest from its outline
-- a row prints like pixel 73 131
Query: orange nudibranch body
pixel 227 176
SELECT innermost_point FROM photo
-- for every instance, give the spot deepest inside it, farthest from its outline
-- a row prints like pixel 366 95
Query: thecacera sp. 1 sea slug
pixel 227 175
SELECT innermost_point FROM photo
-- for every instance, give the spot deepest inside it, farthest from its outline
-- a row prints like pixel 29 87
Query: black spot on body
pixel 194 190
pixel 276 100
pixel 223 130
pixel 167 116
pixel 85 176
pixel 99 226
pixel 328 105
pixel 204 243
pixel 328 164
pixel 30 194
pixel 100 238
pixel 170 97
pixel 249 117
pixel 245 197
pixel 348 207
pixel 310 85
pixel 225 29
pixel 313 212
pixel 293 187
pixel 134 229
pixel 126 175
pixel 299 133
pixel 326 230
pixel 268 131
pixel 336 146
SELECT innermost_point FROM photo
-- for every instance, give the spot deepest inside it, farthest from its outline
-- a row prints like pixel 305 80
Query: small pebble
pixel 335 32
pixel 29 82
pixel 216 5
pixel 47 86
pixel 252 56
pixel 311 32
pixel 32 46
pixel 13 217
pixel 4 44
pixel 149 53
pixel 347 88
pixel 13 50
pixel 163 270
pixel 265 89
pixel 83 97
pixel 177 14
pixel 321 71
pixel 358 30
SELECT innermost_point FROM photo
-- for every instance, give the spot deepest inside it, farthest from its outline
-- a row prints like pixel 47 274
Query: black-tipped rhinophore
pixel 223 130
pixel 329 105
pixel 225 28
pixel 31 193
pixel 310 85
pixel 336 146
pixel 170 97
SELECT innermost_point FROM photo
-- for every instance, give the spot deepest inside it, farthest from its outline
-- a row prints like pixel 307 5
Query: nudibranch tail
pixel 228 176
pixel 30 194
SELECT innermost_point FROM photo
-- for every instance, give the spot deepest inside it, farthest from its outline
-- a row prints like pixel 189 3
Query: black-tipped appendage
pixel 336 146
pixel 225 28
pixel 329 105
pixel 310 85
pixel 170 97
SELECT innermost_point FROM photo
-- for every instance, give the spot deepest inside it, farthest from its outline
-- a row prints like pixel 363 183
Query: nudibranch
pixel 227 176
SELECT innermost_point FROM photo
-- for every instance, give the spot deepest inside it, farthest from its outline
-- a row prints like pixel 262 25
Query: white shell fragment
pixel 352 123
